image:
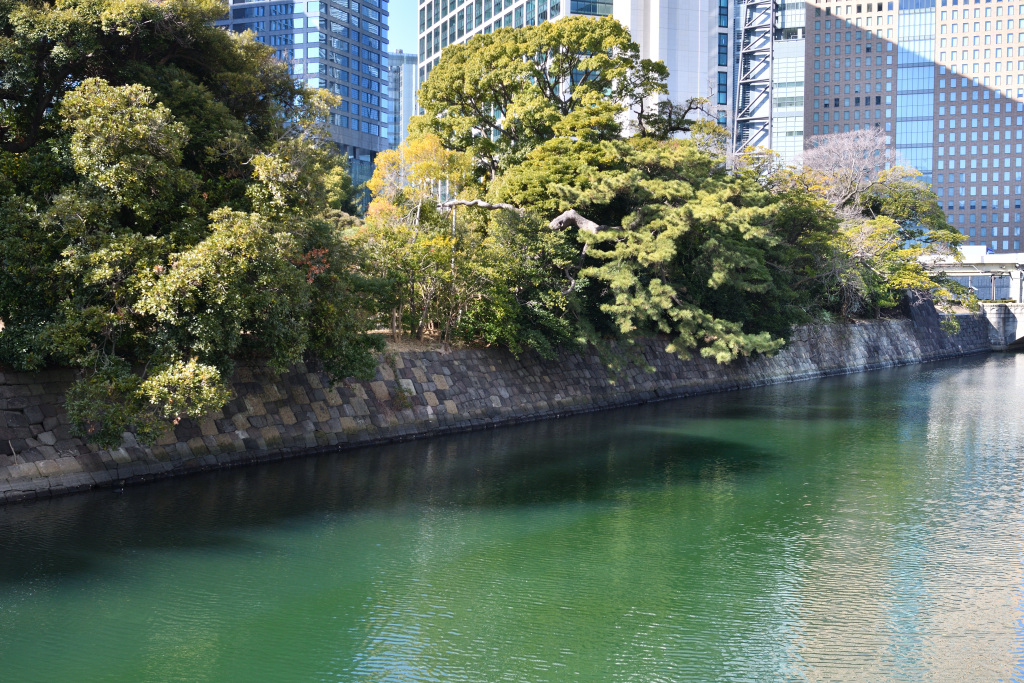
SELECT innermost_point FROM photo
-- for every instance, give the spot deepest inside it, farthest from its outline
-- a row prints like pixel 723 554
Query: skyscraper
pixel 693 39
pixel 341 46
pixel 446 22
pixel 939 77
pixel 402 88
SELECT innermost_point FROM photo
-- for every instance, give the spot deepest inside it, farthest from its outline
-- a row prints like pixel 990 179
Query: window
pixel 723 49
pixel 723 87
pixel 723 13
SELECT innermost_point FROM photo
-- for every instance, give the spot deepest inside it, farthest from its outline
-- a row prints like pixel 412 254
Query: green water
pixel 866 528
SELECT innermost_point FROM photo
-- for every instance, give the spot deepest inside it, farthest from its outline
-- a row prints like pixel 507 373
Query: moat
pixel 868 527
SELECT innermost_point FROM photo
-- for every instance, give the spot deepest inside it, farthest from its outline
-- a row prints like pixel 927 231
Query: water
pixel 864 528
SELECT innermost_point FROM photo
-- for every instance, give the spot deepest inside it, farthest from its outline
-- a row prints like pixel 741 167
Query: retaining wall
pixel 421 394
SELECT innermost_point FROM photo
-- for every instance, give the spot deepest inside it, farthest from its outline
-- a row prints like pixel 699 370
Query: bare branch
pixel 480 204
pixel 847 165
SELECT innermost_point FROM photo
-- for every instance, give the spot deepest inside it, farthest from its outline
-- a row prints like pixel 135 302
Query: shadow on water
pixel 581 459
pixel 586 458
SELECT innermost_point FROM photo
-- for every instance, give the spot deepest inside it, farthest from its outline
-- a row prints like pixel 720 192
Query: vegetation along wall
pixel 417 394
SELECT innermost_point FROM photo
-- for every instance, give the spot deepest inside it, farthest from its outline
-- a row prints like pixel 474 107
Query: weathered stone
pixel 321 412
pixel 380 391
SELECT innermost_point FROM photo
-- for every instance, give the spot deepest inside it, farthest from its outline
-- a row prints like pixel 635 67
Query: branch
pixel 571 218
pixel 479 203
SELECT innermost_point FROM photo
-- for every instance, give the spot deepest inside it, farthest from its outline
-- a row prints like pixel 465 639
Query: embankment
pixel 418 394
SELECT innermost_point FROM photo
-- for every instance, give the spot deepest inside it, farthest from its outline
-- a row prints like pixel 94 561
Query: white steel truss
pixel 753 120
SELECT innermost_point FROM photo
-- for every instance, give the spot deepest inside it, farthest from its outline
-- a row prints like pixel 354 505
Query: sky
pixel 402 26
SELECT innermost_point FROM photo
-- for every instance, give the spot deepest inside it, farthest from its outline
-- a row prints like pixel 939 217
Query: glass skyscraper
pixel 341 46
pixel 403 84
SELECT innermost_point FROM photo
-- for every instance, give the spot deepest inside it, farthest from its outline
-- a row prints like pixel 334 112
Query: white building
pixel 692 38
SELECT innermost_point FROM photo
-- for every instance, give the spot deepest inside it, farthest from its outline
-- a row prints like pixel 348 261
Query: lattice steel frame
pixel 753 120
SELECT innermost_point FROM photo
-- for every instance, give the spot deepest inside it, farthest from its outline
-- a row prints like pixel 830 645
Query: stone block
pixel 25 470
pixel 208 427
pixel 69 465
pixel 380 391
pixel 33 414
pixel 451 407
pixel 240 422
pixel 287 416
pixel 408 386
pixel 271 436
pixel 419 375
pixel 430 398
pixel 167 438
pixel 333 398
pixel 440 382
pixel 321 412
pixel 48 438
pixel 253 405
pixel 198 446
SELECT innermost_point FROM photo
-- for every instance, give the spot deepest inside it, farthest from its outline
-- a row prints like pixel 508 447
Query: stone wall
pixel 421 394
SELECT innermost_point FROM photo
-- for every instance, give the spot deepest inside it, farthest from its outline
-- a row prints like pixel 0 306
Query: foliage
pixel 890 224
pixel 685 248
pixel 501 94
pixel 167 207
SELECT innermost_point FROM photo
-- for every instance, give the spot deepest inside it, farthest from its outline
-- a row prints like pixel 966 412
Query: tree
pixel 167 207
pixel 501 94
pixel 890 221
pixel 673 243
pixel 615 236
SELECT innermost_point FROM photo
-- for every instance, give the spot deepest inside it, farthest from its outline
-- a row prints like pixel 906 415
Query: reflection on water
pixel 860 528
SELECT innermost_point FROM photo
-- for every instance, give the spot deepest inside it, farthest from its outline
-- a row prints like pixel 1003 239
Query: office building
pixel 402 89
pixel 940 77
pixel 341 46
pixel 693 39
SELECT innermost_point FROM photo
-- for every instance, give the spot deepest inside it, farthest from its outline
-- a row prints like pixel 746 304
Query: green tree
pixel 168 206
pixel 501 94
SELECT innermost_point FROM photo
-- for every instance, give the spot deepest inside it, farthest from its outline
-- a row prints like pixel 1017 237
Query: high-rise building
pixel 338 45
pixel 446 22
pixel 693 39
pixel 402 88
pixel 940 77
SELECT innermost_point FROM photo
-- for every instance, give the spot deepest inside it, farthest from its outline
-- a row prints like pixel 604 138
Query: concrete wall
pixel 1005 327
pixel 422 394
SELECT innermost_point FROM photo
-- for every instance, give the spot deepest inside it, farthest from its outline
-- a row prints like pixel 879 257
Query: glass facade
pixel 340 46
pixel 946 79
pixel 915 84
pixel 444 22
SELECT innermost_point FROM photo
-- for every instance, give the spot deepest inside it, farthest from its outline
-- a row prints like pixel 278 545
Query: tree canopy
pixel 501 94
pixel 168 205
pixel 598 222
